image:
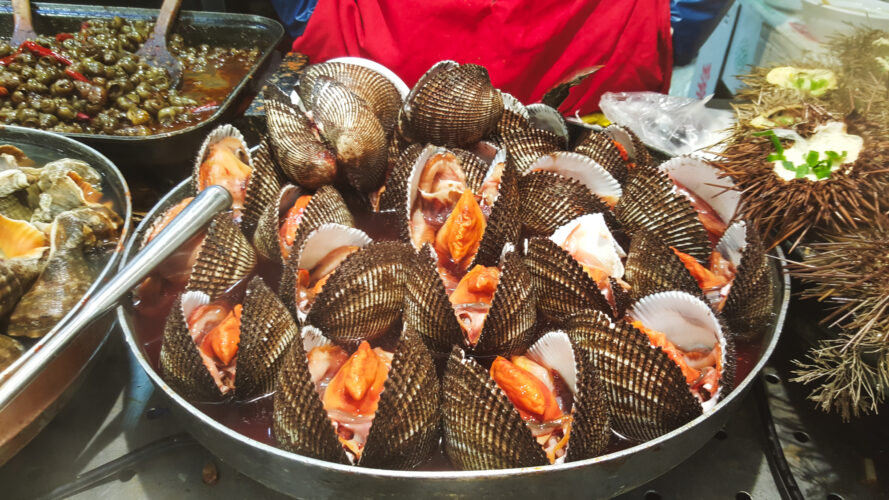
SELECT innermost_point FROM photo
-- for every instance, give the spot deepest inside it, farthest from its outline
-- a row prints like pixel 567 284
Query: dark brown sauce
pixel 254 418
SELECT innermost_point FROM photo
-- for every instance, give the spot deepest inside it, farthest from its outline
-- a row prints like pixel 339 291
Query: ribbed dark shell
pixel 452 105
pixel 563 287
pixel 349 124
pixel 299 421
pixel 512 119
pixel 225 257
pixel 325 206
pixel 474 168
pixel 502 226
pixel 181 364
pixel 262 188
pixel 600 147
pixel 363 297
pixel 550 200
pixel 591 428
pixel 267 330
pixel 394 196
pixel 482 428
pixel 525 147
pixel 749 306
pixel 652 267
pixel 646 391
pixel 379 93
pixel 296 144
pixel 649 203
pixel 639 154
pixel 508 326
pixel 406 427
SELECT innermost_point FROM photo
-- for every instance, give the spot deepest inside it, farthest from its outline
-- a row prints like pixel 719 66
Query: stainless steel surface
pixel 196 215
pixel 25 415
pixel 598 477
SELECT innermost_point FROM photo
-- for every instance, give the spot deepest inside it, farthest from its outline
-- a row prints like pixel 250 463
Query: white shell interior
pixel 584 170
pixel 387 73
pixel 684 319
pixel 703 180
pixel 312 338
pixel 733 242
pixel 216 135
pixel 413 181
pixel 620 135
pixel 554 351
pixel 598 241
pixel 191 300
pixel 547 118
pixel 325 239
pixel 512 104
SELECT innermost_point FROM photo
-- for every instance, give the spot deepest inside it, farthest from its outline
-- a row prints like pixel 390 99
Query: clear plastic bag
pixel 675 125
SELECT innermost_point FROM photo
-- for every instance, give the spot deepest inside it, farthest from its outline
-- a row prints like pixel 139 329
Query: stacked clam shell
pixel 55 232
pixel 530 304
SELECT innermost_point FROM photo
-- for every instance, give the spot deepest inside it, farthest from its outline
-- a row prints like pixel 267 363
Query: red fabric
pixel 528 46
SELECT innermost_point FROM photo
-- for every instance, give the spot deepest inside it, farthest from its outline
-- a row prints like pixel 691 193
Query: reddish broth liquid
pixel 254 418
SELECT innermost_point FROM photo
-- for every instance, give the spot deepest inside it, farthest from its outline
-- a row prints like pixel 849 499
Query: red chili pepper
pixel 8 59
pixel 77 76
pixel 61 37
pixel 84 26
pixel 43 51
pixel 3 92
pixel 82 116
pixel 210 106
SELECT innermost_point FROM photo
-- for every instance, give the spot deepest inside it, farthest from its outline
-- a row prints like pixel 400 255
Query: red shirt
pixel 528 46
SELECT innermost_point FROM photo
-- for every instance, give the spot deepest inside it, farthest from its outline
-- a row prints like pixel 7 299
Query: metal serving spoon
pixel 154 50
pixel 192 219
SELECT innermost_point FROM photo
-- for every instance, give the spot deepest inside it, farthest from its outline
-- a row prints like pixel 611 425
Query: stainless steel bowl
pixel 56 383
pixel 598 477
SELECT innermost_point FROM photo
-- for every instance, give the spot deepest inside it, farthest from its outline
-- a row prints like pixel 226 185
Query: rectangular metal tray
pixel 169 150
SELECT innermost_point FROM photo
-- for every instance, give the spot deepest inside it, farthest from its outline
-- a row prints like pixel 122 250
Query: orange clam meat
pixel 472 300
pixel 715 281
pixel 216 330
pixel 226 166
pixel 290 225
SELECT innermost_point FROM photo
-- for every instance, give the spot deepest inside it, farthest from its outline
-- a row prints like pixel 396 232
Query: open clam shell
pixel 326 206
pixel 405 427
pixel 484 430
pixel 296 144
pixel 364 295
pixel 563 286
pixel 582 169
pixel 525 147
pixel 706 183
pixel 650 202
pixel 223 259
pixel 646 391
pixel 546 117
pixel 748 308
pixel 550 200
pixel 508 325
pixel 396 183
pixel 653 267
pixel 348 123
pixel 637 152
pixel 381 94
pixel 601 147
pixel 452 105
pixel 689 323
pixel 267 330
pixel 514 118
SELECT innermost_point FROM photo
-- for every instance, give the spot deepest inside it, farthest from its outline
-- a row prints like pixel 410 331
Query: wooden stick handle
pixel 22 27
pixel 165 18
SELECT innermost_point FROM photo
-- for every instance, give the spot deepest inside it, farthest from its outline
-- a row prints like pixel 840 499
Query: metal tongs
pixel 192 219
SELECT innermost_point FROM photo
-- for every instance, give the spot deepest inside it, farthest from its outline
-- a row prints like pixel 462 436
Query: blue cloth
pixel 294 14
pixel 693 21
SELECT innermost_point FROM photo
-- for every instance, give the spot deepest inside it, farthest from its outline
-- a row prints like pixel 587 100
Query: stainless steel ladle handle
pixel 192 219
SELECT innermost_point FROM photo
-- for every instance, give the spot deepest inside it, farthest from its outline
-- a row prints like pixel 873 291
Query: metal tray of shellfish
pixel 161 150
pixel 65 212
pixel 493 336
